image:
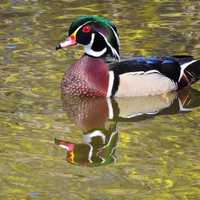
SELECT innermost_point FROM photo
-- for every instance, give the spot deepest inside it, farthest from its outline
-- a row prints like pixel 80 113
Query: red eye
pixel 86 29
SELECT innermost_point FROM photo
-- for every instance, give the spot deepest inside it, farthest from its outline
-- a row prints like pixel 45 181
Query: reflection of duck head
pixel 98 148
pixel 98 118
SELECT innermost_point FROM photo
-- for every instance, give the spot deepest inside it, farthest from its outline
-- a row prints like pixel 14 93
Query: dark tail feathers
pixel 189 74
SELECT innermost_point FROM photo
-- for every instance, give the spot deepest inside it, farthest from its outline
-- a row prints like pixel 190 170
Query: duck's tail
pixel 190 71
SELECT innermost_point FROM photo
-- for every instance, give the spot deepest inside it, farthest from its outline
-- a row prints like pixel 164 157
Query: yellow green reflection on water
pixel 152 157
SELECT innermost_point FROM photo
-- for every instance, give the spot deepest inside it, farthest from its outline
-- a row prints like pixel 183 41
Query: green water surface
pixel 152 154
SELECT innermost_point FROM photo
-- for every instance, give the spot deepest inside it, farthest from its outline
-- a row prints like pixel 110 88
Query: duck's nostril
pixel 58 47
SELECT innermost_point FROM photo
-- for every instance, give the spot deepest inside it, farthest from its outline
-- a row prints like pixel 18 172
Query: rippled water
pixel 137 148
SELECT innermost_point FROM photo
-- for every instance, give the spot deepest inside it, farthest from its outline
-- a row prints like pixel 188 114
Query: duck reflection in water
pixel 98 119
pixel 100 136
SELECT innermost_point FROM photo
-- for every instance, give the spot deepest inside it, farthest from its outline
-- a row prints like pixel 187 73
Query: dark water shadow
pixel 98 118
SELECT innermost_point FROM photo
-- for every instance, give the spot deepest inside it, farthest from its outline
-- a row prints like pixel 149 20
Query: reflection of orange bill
pixel 70 157
pixel 69 147
pixel 65 145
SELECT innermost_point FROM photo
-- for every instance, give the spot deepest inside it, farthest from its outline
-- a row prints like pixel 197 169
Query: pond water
pixel 136 148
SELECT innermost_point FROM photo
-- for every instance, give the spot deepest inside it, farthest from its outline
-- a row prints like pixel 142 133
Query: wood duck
pixel 92 76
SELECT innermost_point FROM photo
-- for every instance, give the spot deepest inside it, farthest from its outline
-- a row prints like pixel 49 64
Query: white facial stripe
pixel 109 25
pixel 115 35
pixel 112 49
pixel 89 51
pixel 81 26
pixel 88 48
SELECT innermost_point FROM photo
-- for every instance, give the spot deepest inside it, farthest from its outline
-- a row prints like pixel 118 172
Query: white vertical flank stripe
pixel 110 83
pixel 110 109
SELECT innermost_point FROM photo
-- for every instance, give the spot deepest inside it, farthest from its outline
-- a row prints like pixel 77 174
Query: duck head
pixel 98 35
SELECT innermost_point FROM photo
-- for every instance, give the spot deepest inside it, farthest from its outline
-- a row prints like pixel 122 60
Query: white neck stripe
pixel 112 49
pixel 115 35
pixel 81 26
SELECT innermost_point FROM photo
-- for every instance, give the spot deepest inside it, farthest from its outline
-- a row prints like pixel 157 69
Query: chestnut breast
pixel 89 76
